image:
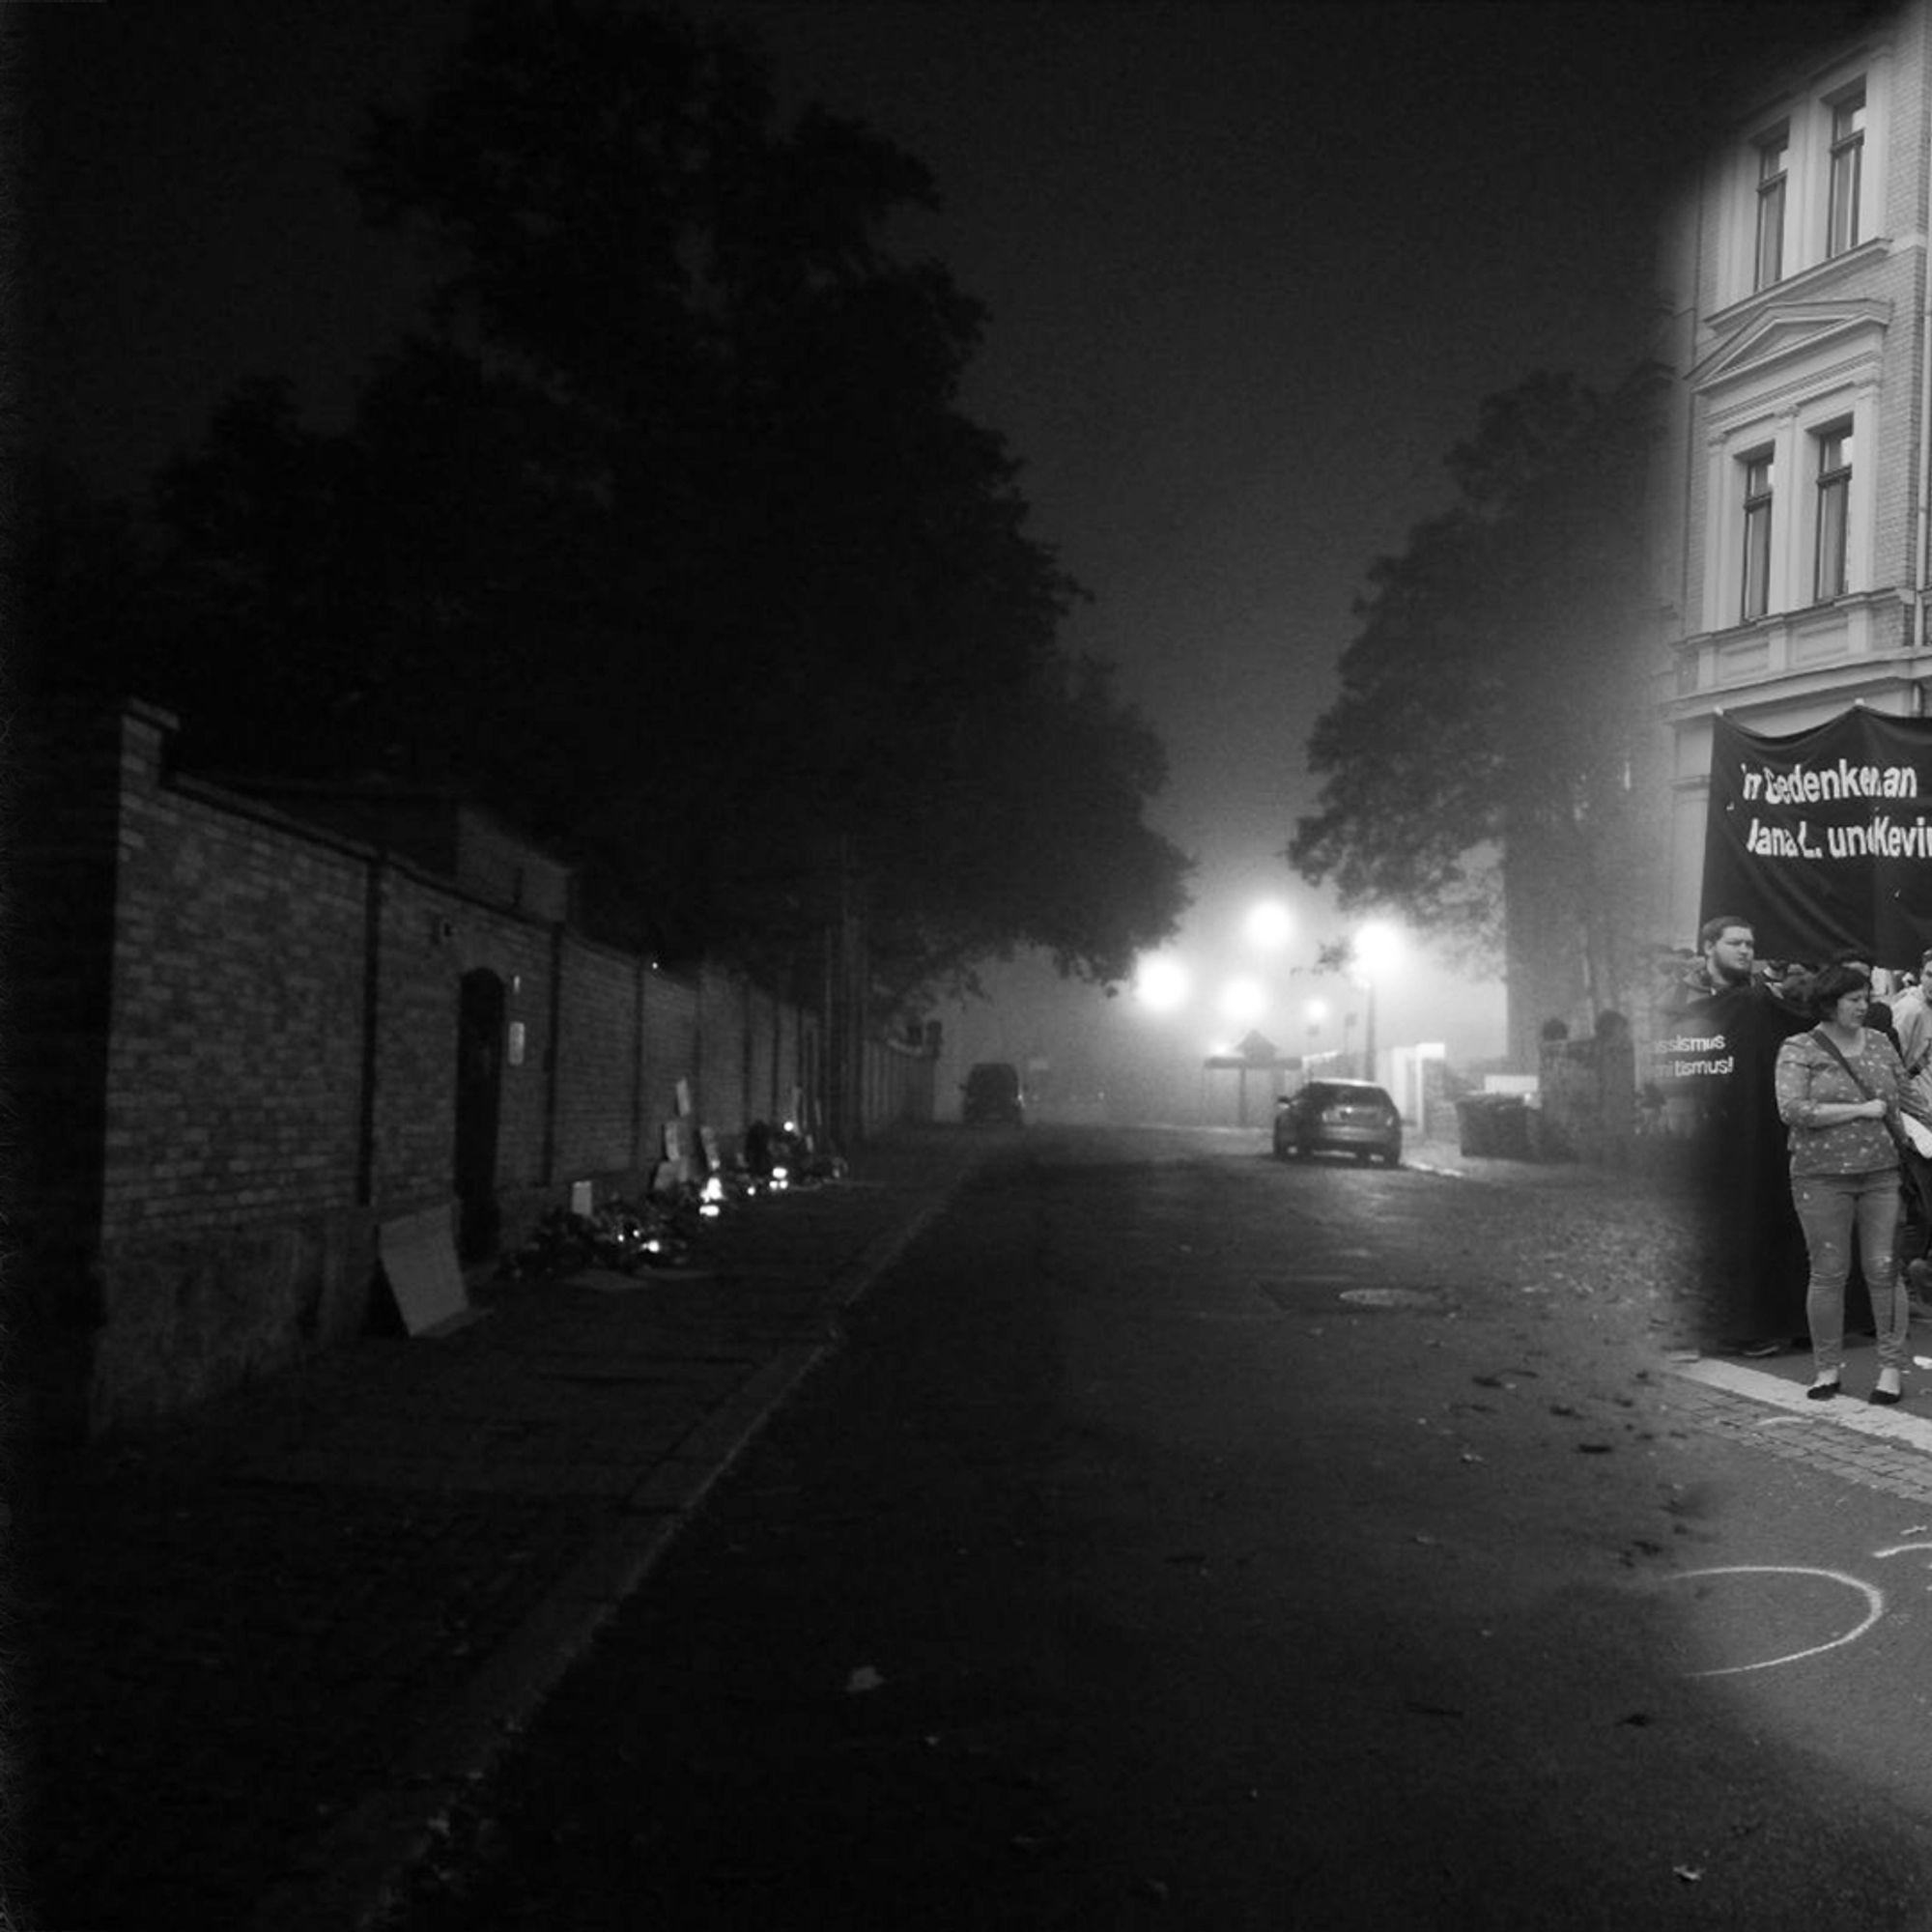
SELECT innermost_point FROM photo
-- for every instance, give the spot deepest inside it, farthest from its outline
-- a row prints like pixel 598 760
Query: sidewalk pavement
pixel 264 1648
pixel 1446 1156
pixel 1762 1405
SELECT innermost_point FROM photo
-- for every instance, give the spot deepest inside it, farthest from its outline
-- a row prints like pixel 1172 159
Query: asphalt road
pixel 1184 1539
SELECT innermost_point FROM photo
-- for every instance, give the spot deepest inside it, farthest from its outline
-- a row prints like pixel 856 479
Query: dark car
pixel 992 1090
pixel 1338 1117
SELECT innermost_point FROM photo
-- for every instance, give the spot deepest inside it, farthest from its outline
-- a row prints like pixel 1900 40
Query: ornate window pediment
pixel 1786 337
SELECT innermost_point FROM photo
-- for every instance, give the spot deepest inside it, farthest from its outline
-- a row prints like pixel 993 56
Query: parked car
pixel 992 1093
pixel 1338 1117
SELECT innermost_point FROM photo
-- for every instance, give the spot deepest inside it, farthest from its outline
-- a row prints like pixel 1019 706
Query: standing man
pixel 1913 1024
pixel 1740 1023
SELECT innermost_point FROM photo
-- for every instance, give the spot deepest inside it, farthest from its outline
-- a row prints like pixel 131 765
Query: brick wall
pixel 1894 280
pixel 233 1065
pixel 245 1034
pixel 898 1083
pixel 766 1094
pixel 1588 1094
pixel 669 1051
pixel 597 1124
pixel 64 776
pixel 721 1051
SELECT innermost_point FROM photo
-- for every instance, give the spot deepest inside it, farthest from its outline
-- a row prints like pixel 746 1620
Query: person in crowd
pixel 1914 1213
pixel 1878 1015
pixel 1761 1268
pixel 1839 1091
pixel 1913 1023
pixel 1878 1019
pixel 1789 979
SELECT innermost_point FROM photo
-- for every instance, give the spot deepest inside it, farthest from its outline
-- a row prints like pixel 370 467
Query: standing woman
pixel 1838 1090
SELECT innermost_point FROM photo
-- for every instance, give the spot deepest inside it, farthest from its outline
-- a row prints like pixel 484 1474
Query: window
pixel 1773 152
pixel 1806 183
pixel 1834 494
pixel 1791 508
pixel 1848 154
pixel 1756 599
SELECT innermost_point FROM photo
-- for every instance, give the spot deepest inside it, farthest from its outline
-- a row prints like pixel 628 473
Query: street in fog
pixel 1183 1538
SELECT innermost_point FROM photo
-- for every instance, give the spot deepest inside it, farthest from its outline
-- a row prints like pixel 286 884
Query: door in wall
pixel 479 1091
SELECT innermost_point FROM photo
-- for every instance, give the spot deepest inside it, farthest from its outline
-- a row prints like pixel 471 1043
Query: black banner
pixel 1823 840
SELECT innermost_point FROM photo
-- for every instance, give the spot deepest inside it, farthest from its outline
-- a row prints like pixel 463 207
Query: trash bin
pixel 1515 1135
pixel 1495 1125
pixel 1472 1121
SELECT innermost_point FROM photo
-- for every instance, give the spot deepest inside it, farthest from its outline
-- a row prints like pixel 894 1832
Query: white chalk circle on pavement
pixel 1873 1599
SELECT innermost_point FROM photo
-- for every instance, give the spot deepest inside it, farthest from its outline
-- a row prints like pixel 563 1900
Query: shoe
pixel 1756 1351
pixel 1885 1397
pixel 1825 1391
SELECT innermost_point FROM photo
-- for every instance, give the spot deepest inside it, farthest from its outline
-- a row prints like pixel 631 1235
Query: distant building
pixel 1794 523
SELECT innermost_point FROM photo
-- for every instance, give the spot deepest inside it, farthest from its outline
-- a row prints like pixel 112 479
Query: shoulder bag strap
pixel 1831 1046
pixel 1891 1126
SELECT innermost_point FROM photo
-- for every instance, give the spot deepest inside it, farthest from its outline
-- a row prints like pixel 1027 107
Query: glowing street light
pixel 1378 950
pixel 1162 983
pixel 1269 924
pixel 1244 1000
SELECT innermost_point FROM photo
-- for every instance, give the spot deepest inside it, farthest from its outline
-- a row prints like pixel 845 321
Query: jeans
pixel 1829 1205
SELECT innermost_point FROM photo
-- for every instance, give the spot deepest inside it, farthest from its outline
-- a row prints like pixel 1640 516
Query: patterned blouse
pixel 1808 1078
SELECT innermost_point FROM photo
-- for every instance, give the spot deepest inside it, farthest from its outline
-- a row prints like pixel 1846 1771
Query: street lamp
pixel 1244 1000
pixel 1378 947
pixel 1317 1011
pixel 1162 983
pixel 1269 924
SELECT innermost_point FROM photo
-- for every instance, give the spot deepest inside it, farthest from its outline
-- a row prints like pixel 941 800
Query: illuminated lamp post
pixel 1163 987
pixel 1378 950
pixel 1267 926
pixel 1244 1000
pixel 1162 983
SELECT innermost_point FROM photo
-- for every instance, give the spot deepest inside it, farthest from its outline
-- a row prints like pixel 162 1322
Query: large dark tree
pixel 1478 765
pixel 668 534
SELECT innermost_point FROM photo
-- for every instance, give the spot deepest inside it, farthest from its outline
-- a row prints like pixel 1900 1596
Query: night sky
pixel 1250 270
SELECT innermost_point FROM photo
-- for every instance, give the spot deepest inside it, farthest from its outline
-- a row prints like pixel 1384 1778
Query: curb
pixel 344 1878
pixel 1896 1425
pixel 1887 1451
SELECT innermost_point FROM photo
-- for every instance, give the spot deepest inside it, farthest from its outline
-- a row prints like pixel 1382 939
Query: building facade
pixel 1792 508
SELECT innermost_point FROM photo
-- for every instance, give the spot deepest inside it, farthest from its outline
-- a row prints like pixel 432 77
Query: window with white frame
pixel 1759 472
pixel 1834 448
pixel 1791 506
pixel 1774 150
pixel 1808 184
pixel 1846 171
